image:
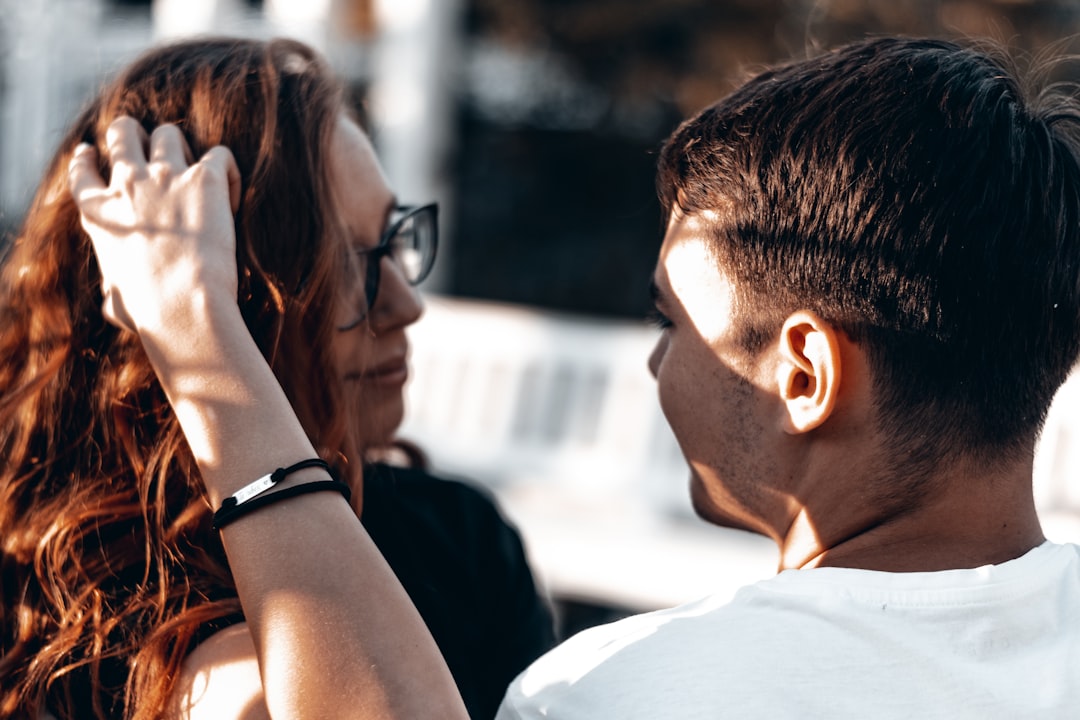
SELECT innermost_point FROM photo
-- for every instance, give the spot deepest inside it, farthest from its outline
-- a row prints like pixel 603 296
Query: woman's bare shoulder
pixel 220 679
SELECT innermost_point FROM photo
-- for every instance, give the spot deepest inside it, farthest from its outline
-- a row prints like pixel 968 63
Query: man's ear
pixel 808 374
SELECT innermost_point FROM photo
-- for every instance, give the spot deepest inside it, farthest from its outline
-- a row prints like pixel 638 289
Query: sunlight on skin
pixel 188 412
pixel 233 688
pixel 691 271
pixel 802 546
pixel 191 407
pixel 708 302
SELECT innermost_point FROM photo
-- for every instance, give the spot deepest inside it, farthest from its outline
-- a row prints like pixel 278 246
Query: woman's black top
pixel 465 570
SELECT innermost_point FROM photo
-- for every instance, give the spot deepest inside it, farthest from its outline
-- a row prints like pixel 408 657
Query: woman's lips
pixel 389 373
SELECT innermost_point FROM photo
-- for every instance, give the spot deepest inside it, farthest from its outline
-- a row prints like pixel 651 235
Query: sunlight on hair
pixel 296 64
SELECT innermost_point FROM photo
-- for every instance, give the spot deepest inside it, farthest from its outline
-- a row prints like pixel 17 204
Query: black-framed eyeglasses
pixel 410 240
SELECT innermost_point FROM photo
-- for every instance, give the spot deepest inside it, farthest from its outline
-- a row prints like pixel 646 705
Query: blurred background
pixel 535 124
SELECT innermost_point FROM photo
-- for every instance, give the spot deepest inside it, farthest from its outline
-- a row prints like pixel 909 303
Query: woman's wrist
pixel 194 311
pixel 220 386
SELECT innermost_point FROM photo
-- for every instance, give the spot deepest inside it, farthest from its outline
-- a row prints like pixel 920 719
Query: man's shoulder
pixel 793 598
pixel 631 665
pixel 825 638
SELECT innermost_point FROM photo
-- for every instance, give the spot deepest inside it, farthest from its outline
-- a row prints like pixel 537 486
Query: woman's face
pixel 370 357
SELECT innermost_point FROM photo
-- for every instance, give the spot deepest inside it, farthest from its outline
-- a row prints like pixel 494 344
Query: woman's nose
pixel 397 303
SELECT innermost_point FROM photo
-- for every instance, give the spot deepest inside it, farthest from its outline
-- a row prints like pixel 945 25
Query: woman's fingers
pixel 162 229
pixel 221 157
pixel 88 188
pixel 126 142
pixel 83 176
pixel 168 147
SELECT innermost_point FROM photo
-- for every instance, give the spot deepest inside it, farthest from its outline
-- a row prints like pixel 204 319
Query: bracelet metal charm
pixel 251 496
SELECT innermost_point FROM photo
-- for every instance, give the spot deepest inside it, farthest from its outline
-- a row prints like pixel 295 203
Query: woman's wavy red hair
pixel 110 571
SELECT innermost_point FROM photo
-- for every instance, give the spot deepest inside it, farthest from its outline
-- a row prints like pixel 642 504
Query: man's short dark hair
pixel 906 191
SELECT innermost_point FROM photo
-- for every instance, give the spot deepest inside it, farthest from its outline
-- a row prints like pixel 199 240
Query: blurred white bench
pixel 558 415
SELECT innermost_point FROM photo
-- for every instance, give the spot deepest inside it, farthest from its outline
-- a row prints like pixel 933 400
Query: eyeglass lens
pixel 410 241
pixel 412 245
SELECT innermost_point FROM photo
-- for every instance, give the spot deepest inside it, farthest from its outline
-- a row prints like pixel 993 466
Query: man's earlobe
pixel 808 374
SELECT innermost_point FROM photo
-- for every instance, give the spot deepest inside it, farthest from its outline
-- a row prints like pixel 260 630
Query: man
pixel 869 291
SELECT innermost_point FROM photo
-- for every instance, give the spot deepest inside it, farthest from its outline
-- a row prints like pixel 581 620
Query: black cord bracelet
pixel 237 504
pixel 224 516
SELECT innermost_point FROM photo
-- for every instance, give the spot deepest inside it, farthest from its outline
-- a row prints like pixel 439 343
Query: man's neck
pixel 968 517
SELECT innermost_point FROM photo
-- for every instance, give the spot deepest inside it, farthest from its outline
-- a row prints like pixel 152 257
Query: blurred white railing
pixel 558 415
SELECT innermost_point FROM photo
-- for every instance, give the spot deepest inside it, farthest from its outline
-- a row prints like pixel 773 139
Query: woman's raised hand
pixel 162 229
pixel 334 632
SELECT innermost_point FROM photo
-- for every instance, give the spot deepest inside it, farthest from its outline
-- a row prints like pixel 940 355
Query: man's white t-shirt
pixel 1001 641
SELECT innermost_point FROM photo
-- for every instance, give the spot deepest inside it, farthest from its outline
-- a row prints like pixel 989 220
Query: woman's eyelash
pixel 659 319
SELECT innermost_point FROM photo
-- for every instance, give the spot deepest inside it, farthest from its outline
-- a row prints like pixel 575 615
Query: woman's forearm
pixel 335 634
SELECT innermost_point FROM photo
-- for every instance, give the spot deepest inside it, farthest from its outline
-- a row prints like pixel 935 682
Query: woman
pixel 123 420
